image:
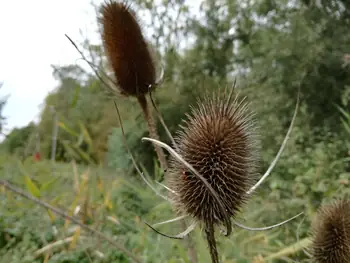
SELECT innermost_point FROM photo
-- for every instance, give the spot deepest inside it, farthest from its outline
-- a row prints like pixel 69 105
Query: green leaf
pixel 75 96
pixel 84 155
pixel 80 140
pixel 290 250
pixel 70 151
pixel 86 135
pixel 183 254
pixel 48 186
pixel 67 129
pixel 31 187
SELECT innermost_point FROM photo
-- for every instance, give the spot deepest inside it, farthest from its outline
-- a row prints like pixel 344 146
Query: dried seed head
pixel 331 233
pixel 218 139
pixel 126 49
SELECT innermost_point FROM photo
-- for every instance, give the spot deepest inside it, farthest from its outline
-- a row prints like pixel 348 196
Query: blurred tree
pixel 272 47
pixel 86 115
pixel 17 140
pixel 2 105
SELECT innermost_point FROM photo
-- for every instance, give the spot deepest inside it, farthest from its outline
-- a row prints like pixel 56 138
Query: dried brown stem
pixel 152 128
pixel 162 121
pixel 63 214
pixel 210 233
pixel 190 243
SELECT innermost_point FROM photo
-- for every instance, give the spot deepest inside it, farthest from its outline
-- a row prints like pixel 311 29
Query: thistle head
pixel 219 140
pixel 126 49
pixel 331 233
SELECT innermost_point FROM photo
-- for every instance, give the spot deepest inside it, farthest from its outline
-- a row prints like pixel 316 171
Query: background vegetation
pixel 272 47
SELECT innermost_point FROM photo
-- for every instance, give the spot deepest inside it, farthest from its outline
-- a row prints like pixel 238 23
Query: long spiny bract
pixel 126 49
pixel 331 233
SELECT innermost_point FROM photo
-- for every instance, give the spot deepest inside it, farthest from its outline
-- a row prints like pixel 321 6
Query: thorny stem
pixel 210 233
pixel 152 130
pixel 162 121
pixel 63 214
pixel 131 155
pixel 191 250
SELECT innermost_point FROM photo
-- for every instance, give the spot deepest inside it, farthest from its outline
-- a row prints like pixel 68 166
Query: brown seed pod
pixel 131 59
pixel 331 233
pixel 127 49
pixel 219 140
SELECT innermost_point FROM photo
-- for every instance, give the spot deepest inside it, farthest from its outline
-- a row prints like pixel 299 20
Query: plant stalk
pixel 152 129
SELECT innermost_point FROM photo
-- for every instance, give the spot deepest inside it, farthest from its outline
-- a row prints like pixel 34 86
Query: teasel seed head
pixel 331 233
pixel 127 50
pixel 219 140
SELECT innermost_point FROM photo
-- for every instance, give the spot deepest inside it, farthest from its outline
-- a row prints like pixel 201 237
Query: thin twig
pixel 92 66
pixel 167 188
pixel 162 121
pixel 55 244
pixel 266 227
pixel 170 220
pixel 298 240
pixel 152 129
pixel 132 156
pixel 273 163
pixel 182 235
pixel 63 214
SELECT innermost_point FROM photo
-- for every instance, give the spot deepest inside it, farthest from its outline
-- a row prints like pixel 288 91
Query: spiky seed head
pixel 127 50
pixel 219 140
pixel 331 233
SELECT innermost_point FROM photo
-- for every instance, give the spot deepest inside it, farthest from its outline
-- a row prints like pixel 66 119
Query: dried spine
pixel 219 140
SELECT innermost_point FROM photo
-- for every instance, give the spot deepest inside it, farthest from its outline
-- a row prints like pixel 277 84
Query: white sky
pixel 31 39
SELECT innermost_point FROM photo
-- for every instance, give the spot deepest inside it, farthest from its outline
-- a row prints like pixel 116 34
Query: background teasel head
pixel 219 140
pixel 127 50
pixel 331 233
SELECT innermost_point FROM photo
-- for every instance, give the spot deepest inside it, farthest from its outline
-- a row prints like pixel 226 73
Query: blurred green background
pixel 271 47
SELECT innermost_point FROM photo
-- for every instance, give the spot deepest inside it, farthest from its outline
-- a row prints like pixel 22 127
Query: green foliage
pixel 114 203
pixel 273 48
pixel 3 101
pixel 85 114
pixel 17 142
pixel 118 156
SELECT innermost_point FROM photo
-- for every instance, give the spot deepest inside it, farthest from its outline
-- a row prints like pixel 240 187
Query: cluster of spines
pixel 331 233
pixel 127 50
pixel 219 140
